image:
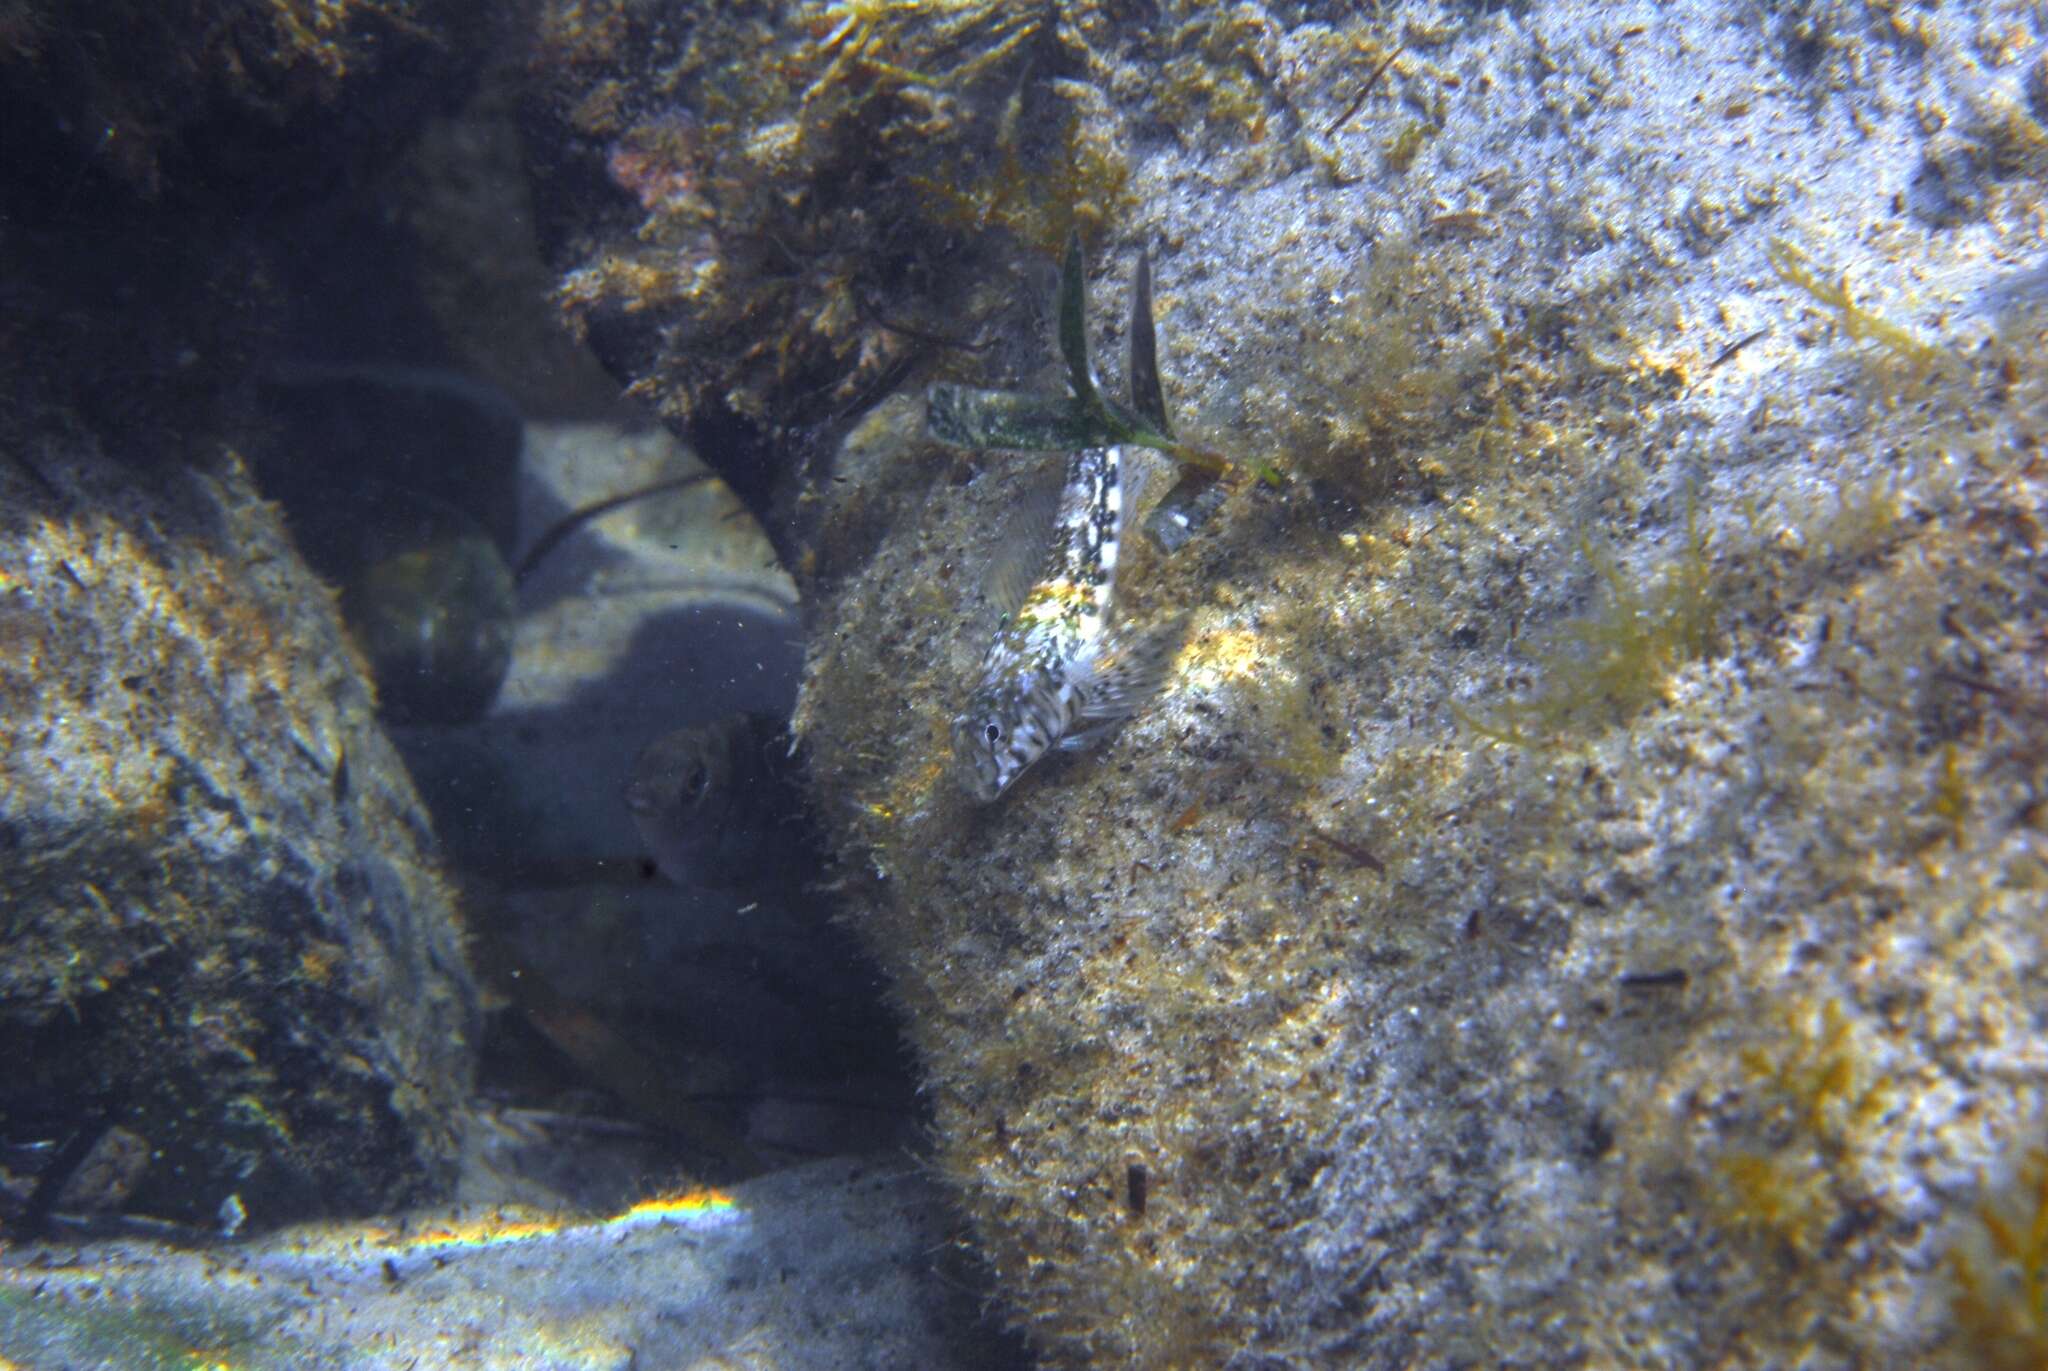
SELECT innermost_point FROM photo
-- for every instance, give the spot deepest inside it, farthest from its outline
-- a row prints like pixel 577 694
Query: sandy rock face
pixel 227 932
pixel 1579 898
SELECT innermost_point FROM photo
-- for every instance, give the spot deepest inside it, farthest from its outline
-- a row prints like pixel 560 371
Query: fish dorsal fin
pixel 1074 323
pixel 1146 396
pixel 1017 561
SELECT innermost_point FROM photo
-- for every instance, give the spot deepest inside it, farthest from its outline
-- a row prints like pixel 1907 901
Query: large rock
pixel 1579 900
pixel 225 927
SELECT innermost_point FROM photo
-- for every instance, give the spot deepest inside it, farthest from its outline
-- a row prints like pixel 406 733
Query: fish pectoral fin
pixel 1088 737
pixel 1129 670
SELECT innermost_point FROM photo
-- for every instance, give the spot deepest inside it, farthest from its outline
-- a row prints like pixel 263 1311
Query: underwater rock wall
pixel 227 932
pixel 1579 899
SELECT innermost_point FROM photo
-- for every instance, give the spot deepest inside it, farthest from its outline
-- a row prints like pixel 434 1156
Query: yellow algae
pixel 1795 268
pixel 1785 1197
pixel 1999 1300
pixel 1610 663
pixel 1217 657
pixel 1823 1073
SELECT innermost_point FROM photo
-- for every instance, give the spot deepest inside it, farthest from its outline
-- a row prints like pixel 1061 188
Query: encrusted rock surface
pixel 1579 900
pixel 226 928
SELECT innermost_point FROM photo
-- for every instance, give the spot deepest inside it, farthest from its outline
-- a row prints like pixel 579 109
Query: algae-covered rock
pixel 763 215
pixel 1579 898
pixel 224 927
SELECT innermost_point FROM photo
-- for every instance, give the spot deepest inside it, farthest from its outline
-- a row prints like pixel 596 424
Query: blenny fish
pixel 1062 672
pixel 720 804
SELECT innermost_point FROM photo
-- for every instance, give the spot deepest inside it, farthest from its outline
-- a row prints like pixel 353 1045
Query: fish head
pixel 680 793
pixel 1003 730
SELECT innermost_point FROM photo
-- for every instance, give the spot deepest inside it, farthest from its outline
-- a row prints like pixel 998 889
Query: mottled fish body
pixel 1062 672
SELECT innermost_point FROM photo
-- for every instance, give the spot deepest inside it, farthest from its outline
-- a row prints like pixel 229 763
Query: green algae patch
pixel 85 1326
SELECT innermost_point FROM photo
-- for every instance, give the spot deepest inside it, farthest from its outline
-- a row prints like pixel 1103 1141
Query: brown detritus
pixel 1352 852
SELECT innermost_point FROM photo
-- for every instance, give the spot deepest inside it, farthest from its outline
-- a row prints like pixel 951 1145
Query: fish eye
pixel 695 783
pixel 993 733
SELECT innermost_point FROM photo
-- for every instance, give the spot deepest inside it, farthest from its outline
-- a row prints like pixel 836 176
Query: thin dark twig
pixel 1727 354
pixel 577 518
pixel 1358 855
pixel 1363 93
pixel 874 315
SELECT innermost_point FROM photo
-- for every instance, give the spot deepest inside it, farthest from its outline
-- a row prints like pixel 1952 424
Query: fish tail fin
pixel 1129 670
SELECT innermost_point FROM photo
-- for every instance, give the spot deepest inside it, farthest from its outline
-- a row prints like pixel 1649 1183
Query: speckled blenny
pixel 1062 671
